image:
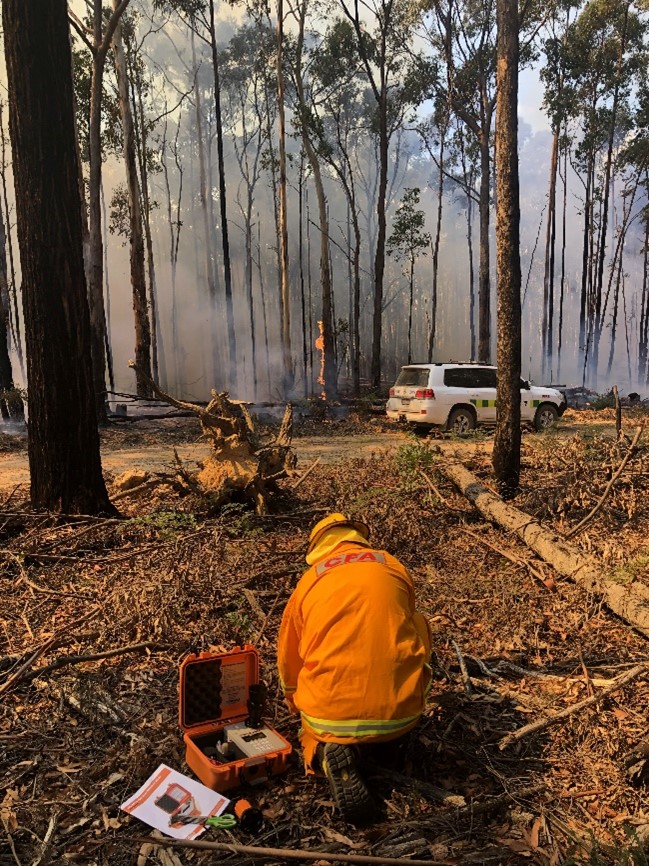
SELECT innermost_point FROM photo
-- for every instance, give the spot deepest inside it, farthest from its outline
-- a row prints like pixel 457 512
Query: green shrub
pixel 169 524
pixel 411 458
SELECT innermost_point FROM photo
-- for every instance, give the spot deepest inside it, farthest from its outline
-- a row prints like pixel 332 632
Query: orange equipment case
pixel 213 693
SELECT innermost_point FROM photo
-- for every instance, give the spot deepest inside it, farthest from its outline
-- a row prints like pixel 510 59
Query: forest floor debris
pixel 77 738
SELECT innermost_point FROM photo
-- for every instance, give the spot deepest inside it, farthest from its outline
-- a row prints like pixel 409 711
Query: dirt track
pixel 150 445
pixel 156 457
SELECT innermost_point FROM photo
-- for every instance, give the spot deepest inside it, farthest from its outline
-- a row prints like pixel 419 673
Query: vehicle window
pixel 470 377
pixel 416 376
pixel 458 377
pixel 483 378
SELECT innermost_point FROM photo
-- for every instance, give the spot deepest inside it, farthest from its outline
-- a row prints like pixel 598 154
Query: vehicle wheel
pixel 460 421
pixel 546 416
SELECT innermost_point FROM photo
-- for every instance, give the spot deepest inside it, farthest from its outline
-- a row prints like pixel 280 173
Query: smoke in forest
pixel 172 94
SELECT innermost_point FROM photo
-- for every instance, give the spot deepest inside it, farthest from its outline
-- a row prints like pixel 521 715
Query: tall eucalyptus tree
pixel 383 30
pixel 97 36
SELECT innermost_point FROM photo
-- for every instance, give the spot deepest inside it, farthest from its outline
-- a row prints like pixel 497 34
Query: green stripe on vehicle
pixel 484 404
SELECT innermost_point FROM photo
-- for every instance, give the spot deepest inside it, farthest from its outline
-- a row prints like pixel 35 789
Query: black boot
pixel 350 794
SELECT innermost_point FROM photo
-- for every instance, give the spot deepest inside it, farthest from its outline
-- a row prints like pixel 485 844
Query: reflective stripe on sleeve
pixel 358 727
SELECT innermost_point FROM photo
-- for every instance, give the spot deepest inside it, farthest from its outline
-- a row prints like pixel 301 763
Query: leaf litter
pixel 173 576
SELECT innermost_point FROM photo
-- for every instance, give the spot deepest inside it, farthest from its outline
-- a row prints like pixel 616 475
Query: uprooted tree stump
pixel 241 465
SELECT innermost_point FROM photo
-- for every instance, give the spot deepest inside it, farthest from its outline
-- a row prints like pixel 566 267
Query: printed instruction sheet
pixel 168 795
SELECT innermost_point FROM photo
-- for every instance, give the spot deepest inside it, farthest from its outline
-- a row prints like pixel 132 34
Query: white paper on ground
pixel 167 793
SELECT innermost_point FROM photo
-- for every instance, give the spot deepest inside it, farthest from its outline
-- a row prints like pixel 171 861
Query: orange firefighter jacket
pixel 353 653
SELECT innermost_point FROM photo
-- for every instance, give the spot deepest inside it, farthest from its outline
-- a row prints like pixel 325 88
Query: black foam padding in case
pixel 202 698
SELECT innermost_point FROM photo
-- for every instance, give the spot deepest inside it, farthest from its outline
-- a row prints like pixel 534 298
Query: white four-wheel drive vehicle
pixel 458 397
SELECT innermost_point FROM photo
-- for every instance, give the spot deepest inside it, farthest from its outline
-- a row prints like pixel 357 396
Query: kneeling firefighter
pixel 353 656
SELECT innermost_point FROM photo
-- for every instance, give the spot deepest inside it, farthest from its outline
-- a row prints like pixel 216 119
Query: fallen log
pixel 629 601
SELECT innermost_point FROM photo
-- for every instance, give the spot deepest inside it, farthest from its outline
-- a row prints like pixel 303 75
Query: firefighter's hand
pixel 290 703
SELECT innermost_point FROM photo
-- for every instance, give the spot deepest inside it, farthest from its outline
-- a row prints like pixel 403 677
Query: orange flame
pixel 319 344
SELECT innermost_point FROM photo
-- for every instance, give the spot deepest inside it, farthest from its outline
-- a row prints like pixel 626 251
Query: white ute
pixel 459 397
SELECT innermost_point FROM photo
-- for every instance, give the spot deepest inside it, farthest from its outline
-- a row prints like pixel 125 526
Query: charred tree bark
pixel 63 445
pixel 468 182
pixel 583 297
pixel 603 226
pixel 11 274
pixel 158 358
pixel 507 443
pixel 300 254
pixel 379 257
pixel 562 286
pixel 643 339
pixel 432 333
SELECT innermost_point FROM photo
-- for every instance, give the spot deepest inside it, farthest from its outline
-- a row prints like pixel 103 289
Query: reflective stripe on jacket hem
pixel 358 727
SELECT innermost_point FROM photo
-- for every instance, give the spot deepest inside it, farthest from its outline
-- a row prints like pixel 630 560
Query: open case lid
pixel 214 687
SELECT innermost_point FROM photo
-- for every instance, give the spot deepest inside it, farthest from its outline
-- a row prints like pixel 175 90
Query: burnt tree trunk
pixel 583 297
pixel 63 445
pixel 95 264
pixel 548 269
pixel 643 338
pixel 158 358
pixel 225 237
pixel 562 283
pixel 379 256
pixel 507 443
pixel 9 247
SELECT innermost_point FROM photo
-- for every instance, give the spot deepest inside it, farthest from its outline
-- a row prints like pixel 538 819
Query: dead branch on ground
pixel 64 661
pixel 541 724
pixel 12 681
pixel 286 853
